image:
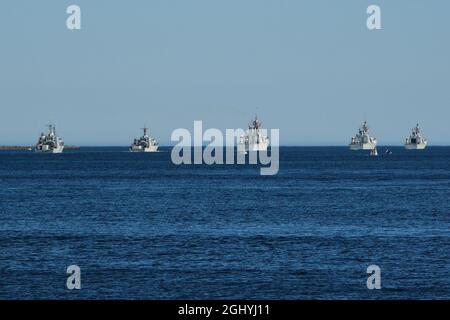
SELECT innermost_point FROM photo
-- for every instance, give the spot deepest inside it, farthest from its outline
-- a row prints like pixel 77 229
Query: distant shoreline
pixel 27 148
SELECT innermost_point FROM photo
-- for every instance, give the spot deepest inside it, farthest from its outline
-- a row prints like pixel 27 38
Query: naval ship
pixel 416 140
pixel 144 143
pixel 50 142
pixel 253 139
pixel 362 140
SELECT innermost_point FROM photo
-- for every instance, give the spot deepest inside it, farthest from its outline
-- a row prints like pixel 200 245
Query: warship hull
pixel 416 146
pixel 252 147
pixel 48 150
pixel 363 146
pixel 140 149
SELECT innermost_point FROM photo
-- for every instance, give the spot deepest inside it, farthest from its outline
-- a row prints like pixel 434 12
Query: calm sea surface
pixel 140 227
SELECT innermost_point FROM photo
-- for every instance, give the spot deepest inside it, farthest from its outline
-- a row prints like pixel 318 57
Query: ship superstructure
pixel 362 140
pixel 254 139
pixel 144 143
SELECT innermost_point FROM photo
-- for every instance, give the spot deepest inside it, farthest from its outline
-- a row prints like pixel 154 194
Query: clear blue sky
pixel 310 68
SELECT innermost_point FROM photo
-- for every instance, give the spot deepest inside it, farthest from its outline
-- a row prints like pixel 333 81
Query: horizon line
pixel 171 146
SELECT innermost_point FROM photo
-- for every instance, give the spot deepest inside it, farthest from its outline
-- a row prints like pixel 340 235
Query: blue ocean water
pixel 140 227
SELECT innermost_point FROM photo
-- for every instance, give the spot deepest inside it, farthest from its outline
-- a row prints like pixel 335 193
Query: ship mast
pixel 51 129
pixel 256 124
pixel 145 129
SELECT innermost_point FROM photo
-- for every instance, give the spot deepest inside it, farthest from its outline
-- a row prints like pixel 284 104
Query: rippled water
pixel 140 227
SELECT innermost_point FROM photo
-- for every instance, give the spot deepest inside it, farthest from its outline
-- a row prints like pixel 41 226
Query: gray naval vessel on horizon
pixel 144 143
pixel 254 139
pixel 50 142
pixel 363 140
pixel 416 141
